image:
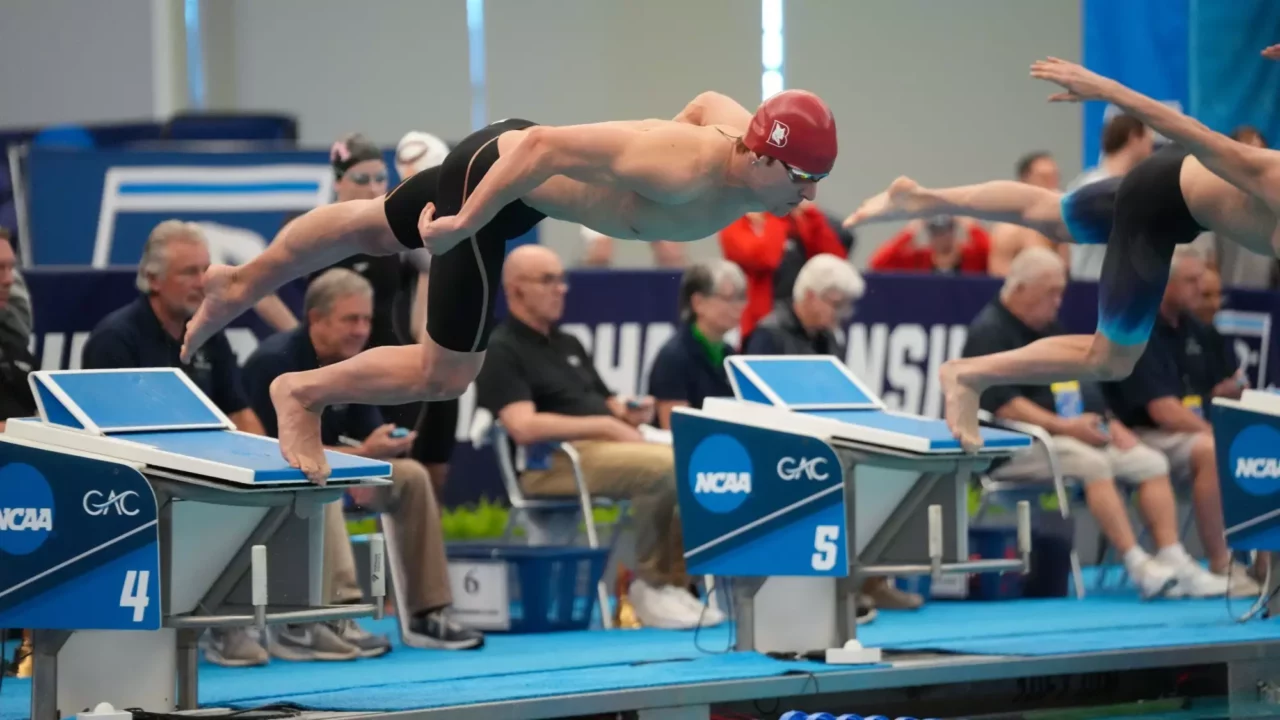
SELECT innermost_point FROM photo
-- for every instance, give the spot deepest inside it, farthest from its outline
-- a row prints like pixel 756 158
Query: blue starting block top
pixel 821 386
pixel 158 417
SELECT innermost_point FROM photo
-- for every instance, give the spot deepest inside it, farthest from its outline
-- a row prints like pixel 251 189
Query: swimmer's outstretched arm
pixel 1004 201
pixel 667 165
pixel 1242 165
pixel 713 108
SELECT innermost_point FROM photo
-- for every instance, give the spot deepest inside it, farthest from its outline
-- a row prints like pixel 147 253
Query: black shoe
pixel 441 632
pixel 370 645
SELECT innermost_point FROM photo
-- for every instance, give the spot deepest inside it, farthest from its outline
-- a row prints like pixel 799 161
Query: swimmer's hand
pixel 1081 84
pixel 1272 53
pixel 439 235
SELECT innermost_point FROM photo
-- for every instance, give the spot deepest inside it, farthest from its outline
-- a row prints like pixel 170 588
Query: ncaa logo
pixel 720 473
pixel 26 509
pixel 1255 460
pixel 778 135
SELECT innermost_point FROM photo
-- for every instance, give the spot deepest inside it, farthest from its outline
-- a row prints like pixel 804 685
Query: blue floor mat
pixel 530 666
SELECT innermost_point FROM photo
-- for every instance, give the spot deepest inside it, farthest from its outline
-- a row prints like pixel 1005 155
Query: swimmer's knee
pixel 1109 361
pixel 446 374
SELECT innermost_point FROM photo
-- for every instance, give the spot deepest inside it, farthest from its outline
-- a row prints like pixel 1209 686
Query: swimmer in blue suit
pixel 1204 181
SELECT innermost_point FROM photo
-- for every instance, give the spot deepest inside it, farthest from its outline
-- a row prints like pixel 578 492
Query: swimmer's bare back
pixel 640 180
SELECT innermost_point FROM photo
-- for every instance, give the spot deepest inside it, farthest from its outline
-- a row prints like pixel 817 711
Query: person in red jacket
pixel 951 246
pixel 772 249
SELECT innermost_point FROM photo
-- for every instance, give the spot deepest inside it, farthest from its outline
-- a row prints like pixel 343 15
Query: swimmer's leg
pixel 390 375
pixel 461 293
pixel 995 201
pixel 315 240
pixel 1134 274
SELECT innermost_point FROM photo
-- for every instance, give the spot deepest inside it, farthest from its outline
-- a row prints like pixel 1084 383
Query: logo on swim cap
pixel 796 127
pixel 778 136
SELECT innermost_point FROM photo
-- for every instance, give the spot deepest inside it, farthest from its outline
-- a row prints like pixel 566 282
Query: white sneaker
pixel 663 607
pixel 710 616
pixel 1152 579
pixel 1193 579
pixel 1240 583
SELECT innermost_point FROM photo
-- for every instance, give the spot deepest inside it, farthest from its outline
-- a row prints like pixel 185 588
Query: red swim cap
pixel 796 127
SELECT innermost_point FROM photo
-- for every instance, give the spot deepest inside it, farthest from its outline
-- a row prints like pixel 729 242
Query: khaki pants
pixel 412 502
pixel 1086 463
pixel 644 474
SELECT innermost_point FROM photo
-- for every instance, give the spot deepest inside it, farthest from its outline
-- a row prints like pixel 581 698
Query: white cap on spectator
pixel 418 151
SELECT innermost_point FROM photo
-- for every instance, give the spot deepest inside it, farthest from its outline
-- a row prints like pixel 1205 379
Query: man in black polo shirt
pixel 810 323
pixel 1167 398
pixel 338 312
pixel 542 386
pixel 690 367
pixel 148 331
pixel 16 362
pixel 1092 448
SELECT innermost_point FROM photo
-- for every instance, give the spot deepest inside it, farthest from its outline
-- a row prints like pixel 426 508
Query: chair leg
pixel 509 530
pixel 1077 576
pixel 709 585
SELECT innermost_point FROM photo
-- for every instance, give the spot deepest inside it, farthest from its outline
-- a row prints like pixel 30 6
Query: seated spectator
pixel 943 245
pixel 1007 239
pixel 338 312
pixel 1220 351
pixel 690 367
pixel 811 321
pixel 1167 399
pixel 770 250
pixel 1249 135
pixel 543 387
pixel 16 322
pixel 1090 447
pixel 812 324
pixel 16 362
pixel 148 331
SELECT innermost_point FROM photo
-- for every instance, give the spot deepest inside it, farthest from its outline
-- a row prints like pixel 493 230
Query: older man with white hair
pixel 1092 446
pixel 812 322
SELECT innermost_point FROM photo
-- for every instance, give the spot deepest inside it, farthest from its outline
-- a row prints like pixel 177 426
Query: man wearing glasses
pixel 679 180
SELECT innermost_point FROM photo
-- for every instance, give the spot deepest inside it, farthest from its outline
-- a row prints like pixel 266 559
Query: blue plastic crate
pixel 551 588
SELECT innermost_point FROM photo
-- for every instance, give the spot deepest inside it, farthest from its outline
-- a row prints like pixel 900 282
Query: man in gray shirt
pixel 1125 143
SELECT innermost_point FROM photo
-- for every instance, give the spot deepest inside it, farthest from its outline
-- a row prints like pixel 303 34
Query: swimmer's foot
pixel 299 430
pixel 904 199
pixel 225 298
pixel 962 407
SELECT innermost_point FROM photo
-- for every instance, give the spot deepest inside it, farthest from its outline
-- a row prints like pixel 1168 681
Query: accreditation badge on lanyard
pixel 1194 404
pixel 1067 399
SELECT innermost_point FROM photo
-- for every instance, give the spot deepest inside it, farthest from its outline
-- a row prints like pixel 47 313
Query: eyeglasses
pixel 366 178
pixel 798 175
pixel 551 279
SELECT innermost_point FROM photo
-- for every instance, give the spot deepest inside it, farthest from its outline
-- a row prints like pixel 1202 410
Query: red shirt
pixel 759 254
pixel 901 252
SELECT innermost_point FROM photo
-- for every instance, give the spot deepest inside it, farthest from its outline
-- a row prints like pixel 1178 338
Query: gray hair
pixel 703 278
pixel 155 256
pixel 1030 265
pixel 1188 251
pixel 331 286
pixel 825 273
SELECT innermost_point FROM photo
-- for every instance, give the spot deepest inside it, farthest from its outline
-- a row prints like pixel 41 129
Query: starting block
pixel 133 516
pixel 1246 435
pixel 805 484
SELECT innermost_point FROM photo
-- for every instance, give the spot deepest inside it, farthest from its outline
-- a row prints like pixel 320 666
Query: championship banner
pixel 902 331
pixel 1142 44
pixel 96 208
pixel 1231 84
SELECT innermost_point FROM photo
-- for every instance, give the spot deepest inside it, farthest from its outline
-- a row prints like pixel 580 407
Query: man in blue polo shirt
pixel 148 331
pixel 690 367
pixel 338 312
pixel 1167 398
